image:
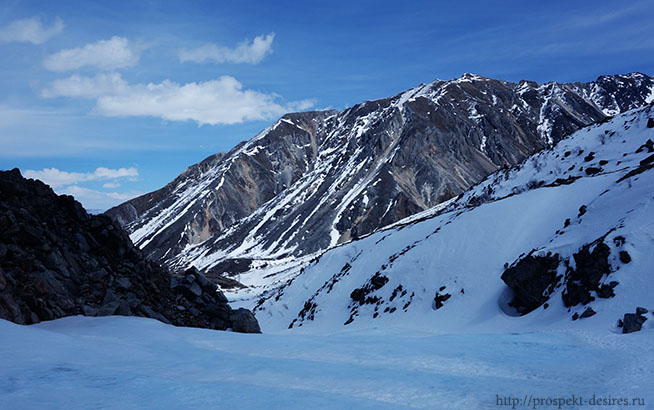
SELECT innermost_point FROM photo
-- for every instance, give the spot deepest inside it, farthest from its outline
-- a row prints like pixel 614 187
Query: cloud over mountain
pixel 57 178
pixel 221 101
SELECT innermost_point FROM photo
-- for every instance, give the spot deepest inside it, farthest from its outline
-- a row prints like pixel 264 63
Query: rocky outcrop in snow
pixel 56 260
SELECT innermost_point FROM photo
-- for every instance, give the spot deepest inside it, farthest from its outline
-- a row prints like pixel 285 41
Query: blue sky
pixel 106 100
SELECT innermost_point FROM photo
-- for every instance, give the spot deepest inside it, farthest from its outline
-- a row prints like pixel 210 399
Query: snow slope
pixel 136 363
pixel 555 202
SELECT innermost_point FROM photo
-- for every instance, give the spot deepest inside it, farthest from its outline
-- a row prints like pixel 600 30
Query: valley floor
pixel 136 363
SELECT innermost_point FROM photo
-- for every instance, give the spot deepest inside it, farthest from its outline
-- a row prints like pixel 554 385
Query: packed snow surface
pixel 137 363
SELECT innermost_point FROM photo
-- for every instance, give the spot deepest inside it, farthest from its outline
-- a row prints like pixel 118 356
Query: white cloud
pixel 30 30
pixel 86 87
pixel 104 54
pixel 107 173
pixel 57 178
pixel 245 52
pixel 221 101
pixel 111 185
pixel 97 200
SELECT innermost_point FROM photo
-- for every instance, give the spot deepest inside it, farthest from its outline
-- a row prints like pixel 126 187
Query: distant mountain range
pixel 314 180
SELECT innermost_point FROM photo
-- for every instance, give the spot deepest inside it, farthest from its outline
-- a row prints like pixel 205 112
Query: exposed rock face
pixel 633 322
pixel 588 312
pixel 590 267
pixel 441 298
pixel 56 260
pixel 316 179
pixel 532 279
pixel 243 321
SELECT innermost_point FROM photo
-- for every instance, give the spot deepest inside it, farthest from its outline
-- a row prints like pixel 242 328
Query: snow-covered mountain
pixel 568 235
pixel 317 179
pixel 419 315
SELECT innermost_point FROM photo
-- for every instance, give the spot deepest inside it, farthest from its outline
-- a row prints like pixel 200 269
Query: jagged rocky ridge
pixel 565 236
pixel 56 260
pixel 317 179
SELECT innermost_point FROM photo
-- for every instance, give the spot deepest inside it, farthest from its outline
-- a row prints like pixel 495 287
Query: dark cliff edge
pixel 56 260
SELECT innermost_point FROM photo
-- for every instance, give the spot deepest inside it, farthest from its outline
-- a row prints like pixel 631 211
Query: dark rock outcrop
pixel 361 295
pixel 633 322
pixel 243 321
pixel 440 298
pixel 587 313
pixel 531 278
pixel 624 257
pixel 590 267
pixel 56 260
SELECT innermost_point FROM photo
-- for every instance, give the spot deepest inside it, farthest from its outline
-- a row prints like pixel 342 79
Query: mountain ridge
pixel 315 179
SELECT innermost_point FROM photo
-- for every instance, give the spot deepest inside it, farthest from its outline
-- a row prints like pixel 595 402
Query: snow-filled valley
pixel 413 316
pixel 137 363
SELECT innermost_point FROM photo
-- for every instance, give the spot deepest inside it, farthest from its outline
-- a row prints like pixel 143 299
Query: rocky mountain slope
pixel 56 260
pixel 567 236
pixel 317 179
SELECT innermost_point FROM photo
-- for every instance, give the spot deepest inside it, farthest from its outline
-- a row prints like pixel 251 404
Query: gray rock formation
pixel 632 322
pixel 316 179
pixel 532 279
pixel 56 260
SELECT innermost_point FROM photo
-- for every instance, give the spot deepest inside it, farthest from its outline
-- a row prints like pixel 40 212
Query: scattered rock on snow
pixel 648 145
pixel 632 322
pixel 625 257
pixel 439 299
pixel 587 313
pixel 360 295
pixel 243 321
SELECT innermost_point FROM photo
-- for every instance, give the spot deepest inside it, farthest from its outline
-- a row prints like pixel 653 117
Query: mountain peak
pixel 317 179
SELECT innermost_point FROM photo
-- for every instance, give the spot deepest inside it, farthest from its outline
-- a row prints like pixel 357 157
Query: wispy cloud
pixel 603 17
pixel 535 37
pixel 111 54
pixel 68 183
pixel 250 52
pixel 97 200
pixel 77 86
pixel 57 178
pixel 30 30
pixel 221 101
